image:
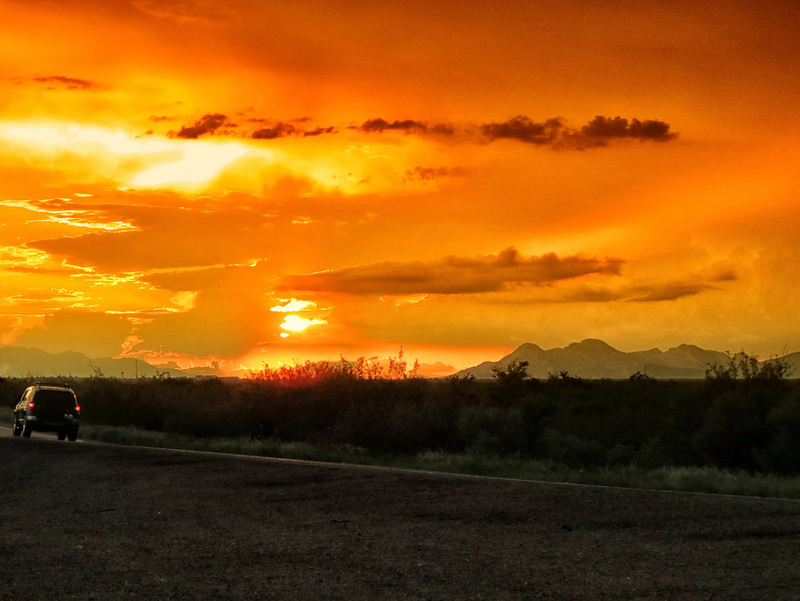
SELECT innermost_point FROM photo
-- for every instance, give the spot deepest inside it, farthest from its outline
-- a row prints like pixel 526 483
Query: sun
pixel 295 323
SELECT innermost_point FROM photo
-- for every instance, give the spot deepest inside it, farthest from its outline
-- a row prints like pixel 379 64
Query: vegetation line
pixel 735 432
pixel 697 480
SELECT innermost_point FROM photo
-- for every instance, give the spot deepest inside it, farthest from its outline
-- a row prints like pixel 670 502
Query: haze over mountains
pixel 23 362
pixel 589 359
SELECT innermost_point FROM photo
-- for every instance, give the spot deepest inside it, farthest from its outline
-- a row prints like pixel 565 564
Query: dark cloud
pixel 319 131
pixel 524 129
pixel 442 128
pixel 207 124
pixel 380 125
pixel 62 82
pixel 554 133
pixel 598 132
pixel 279 130
pixel 725 275
pixel 602 129
pixel 453 275
pixel 408 126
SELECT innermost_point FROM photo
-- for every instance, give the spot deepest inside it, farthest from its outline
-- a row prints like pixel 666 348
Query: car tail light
pixel 78 408
pixel 30 404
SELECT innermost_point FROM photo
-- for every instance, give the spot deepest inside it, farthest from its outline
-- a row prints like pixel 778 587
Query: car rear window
pixel 63 398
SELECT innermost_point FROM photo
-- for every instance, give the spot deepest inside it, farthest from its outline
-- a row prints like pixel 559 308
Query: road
pixel 92 521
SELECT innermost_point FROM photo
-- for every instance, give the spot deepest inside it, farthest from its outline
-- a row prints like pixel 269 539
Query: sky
pixel 243 183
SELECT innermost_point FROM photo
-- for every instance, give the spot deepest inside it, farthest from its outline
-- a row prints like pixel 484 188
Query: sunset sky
pixel 248 182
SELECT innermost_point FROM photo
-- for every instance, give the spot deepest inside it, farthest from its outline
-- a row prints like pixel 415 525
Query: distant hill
pixel 587 359
pixel 793 359
pixel 595 359
pixel 23 362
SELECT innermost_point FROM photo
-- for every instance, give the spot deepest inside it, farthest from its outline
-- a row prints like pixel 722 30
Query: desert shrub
pixel 783 453
pixel 734 432
pixel 653 454
pixel 398 417
pixel 620 454
pixel 10 391
pixel 572 450
pixel 491 429
pixel 512 382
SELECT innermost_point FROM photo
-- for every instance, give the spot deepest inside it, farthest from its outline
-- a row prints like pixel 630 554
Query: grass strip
pixel 682 479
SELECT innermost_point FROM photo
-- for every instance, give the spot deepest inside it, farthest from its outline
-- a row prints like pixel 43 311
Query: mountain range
pixel 592 359
pixel 36 363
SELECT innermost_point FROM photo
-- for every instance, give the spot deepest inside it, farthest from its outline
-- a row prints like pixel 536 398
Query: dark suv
pixel 47 408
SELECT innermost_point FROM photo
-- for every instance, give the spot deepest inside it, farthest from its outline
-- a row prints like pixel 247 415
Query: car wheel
pixel 72 435
pixel 26 430
pixel 15 427
pixel 62 434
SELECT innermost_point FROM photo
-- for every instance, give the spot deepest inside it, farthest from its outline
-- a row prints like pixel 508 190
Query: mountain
pixel 793 360
pixel 595 359
pixel 23 362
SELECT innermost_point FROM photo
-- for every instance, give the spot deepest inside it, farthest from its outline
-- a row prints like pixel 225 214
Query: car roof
pixel 51 387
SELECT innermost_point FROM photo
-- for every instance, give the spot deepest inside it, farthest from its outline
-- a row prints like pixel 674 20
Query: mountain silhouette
pixel 593 358
pixel 36 363
pixel 589 359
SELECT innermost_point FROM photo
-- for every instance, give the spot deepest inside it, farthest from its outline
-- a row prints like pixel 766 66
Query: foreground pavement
pixel 93 521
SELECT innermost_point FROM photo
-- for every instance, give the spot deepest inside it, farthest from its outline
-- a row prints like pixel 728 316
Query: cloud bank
pixel 62 82
pixel 453 275
pixel 598 132
pixel 553 133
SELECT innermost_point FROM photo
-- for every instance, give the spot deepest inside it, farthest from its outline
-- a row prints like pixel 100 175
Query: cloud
pixel 553 132
pixel 602 129
pixel 409 126
pixel 598 132
pixel 91 333
pixel 523 129
pixel 61 82
pixel 219 277
pixel 425 174
pixel 64 211
pixel 380 125
pixel 281 129
pixel 207 124
pixel 206 13
pixel 670 291
pixel 453 275
pixel 318 131
pixel 219 323
pixel 278 130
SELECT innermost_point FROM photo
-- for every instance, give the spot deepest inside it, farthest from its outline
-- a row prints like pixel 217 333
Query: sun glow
pixel 200 163
pixel 295 323
pixel 292 306
pixel 182 163
pixel 70 136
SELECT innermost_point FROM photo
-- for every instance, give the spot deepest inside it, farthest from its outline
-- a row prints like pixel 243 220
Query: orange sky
pixel 199 180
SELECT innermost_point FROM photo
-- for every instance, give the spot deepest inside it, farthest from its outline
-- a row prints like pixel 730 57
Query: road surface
pixel 92 521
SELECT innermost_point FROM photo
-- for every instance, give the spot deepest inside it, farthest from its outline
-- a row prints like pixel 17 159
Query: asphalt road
pixel 91 521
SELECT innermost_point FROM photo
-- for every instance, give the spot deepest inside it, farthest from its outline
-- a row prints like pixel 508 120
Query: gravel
pixel 94 521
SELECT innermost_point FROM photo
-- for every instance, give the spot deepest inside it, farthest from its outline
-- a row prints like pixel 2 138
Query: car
pixel 47 408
